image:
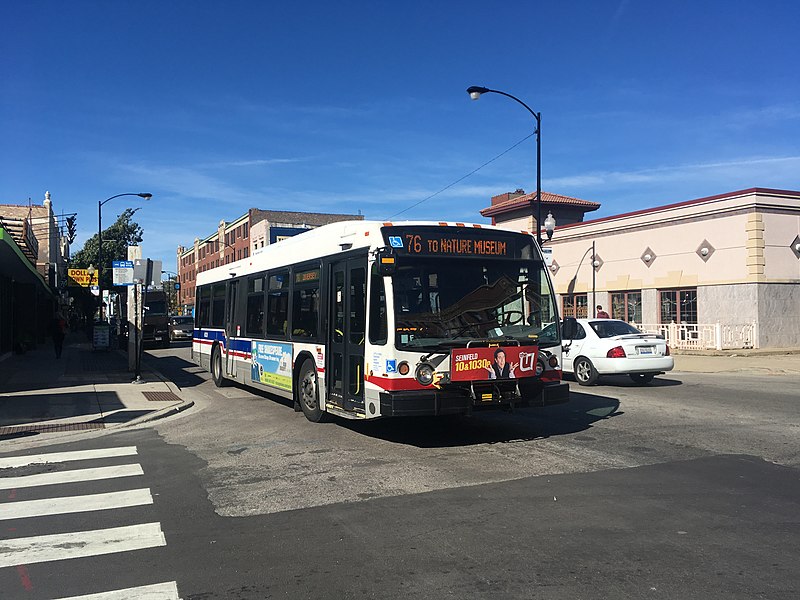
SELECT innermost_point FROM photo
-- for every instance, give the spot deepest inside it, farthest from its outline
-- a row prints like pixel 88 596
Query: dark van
pixel 155 331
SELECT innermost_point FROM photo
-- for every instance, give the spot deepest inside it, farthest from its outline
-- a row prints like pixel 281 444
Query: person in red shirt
pixel 601 314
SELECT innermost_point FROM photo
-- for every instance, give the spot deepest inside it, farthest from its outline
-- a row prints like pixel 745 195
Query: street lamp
pixel 475 93
pixel 144 195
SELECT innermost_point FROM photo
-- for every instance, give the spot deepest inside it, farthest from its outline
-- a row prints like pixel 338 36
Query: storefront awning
pixel 15 265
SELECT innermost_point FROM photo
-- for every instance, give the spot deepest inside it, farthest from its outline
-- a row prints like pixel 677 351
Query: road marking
pixel 63 546
pixel 158 591
pixel 25 481
pixel 22 461
pixel 74 504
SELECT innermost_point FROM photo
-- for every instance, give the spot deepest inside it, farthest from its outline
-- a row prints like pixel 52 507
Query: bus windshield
pixel 441 304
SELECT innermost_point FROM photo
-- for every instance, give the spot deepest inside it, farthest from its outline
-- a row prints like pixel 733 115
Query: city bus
pixel 361 320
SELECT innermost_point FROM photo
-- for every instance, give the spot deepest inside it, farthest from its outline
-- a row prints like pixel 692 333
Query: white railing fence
pixel 695 336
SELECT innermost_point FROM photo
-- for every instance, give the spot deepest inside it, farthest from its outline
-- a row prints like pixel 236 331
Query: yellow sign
pixel 80 277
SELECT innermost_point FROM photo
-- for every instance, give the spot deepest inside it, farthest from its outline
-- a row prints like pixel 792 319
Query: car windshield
pixel 607 329
pixel 444 304
pixel 156 308
pixel 182 320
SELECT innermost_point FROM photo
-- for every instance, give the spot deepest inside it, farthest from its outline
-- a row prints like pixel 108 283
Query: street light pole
pixel 100 204
pixel 475 92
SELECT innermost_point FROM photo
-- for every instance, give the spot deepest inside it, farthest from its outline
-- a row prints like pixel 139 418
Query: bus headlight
pixel 424 373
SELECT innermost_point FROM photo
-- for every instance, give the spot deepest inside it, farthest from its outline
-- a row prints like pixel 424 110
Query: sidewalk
pixel 784 361
pixel 83 390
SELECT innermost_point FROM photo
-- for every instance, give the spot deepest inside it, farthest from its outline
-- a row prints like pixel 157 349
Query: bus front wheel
pixel 216 367
pixel 308 393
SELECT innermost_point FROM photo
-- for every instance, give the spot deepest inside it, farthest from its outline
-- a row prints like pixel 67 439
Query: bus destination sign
pixel 450 241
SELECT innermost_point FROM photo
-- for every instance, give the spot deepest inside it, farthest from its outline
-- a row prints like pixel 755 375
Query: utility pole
pixel 134 312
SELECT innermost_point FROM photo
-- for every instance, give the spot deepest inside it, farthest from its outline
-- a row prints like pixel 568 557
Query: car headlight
pixel 424 373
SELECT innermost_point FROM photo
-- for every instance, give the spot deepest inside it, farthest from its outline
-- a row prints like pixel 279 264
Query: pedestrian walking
pixel 58 329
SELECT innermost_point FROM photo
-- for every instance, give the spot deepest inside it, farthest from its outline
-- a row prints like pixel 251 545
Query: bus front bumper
pixel 442 402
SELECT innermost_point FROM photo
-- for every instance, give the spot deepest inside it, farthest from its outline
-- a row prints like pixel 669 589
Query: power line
pixel 459 180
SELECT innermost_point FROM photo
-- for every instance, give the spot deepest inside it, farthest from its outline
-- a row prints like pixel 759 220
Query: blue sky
pixel 216 107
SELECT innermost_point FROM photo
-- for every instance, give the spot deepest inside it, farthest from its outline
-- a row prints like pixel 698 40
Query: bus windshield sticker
pixel 506 362
pixel 272 364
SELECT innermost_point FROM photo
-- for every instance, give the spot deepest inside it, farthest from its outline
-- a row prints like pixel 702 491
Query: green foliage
pixel 122 233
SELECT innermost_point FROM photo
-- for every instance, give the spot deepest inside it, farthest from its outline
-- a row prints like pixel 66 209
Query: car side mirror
pixel 569 328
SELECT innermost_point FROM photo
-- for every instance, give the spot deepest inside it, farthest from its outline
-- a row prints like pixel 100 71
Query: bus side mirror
pixel 386 261
pixel 569 328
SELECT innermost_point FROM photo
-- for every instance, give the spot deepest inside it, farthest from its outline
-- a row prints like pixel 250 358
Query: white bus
pixel 363 319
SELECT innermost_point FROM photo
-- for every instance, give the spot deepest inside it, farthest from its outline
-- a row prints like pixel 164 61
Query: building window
pixel 244 227
pixel 679 306
pixel 575 306
pixel 627 306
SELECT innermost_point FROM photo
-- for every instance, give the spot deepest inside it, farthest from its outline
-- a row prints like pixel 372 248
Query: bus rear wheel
pixel 216 367
pixel 308 393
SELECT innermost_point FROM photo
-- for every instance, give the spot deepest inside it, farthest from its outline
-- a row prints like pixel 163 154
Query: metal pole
pixel 100 254
pixel 539 178
pixel 594 275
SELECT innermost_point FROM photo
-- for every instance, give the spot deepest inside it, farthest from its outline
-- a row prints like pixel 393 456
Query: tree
pixel 116 239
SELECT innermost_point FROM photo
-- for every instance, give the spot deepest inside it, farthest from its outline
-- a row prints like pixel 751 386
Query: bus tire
pixel 308 393
pixel 216 367
pixel 584 371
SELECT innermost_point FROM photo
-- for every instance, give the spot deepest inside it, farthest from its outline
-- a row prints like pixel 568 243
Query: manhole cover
pixel 161 397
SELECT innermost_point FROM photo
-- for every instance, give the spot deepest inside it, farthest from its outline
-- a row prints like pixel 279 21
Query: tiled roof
pixel 548 198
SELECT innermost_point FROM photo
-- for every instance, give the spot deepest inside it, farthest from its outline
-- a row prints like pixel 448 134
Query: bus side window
pixel 278 304
pixel 378 329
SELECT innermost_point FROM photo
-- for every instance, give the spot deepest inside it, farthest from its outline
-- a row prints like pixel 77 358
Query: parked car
pixel 614 347
pixel 181 328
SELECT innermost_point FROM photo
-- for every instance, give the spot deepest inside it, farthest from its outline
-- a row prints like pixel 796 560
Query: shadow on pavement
pixel 20 409
pixel 625 381
pixel 181 372
pixel 491 427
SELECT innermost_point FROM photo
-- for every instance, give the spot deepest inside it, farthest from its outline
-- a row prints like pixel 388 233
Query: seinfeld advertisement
pixel 272 364
pixel 507 362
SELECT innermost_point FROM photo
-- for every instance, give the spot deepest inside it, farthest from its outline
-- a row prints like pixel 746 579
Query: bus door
pixel 231 330
pixel 347 331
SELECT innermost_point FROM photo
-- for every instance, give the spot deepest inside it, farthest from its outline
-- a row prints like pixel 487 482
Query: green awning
pixel 14 264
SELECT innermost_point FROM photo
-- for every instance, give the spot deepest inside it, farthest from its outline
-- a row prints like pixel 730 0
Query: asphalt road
pixel 688 488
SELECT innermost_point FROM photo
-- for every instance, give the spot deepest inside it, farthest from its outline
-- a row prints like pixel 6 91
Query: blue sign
pixel 122 264
pixel 396 241
pixel 391 366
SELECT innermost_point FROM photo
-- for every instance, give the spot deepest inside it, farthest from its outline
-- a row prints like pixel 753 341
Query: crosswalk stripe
pixel 158 591
pixel 63 546
pixel 22 461
pixel 25 481
pixel 74 504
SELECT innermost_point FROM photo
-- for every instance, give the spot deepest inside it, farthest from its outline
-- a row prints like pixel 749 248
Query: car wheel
pixel 216 367
pixel 308 393
pixel 585 373
pixel 642 378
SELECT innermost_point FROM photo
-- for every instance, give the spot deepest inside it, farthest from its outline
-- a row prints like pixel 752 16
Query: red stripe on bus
pixel 404 384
